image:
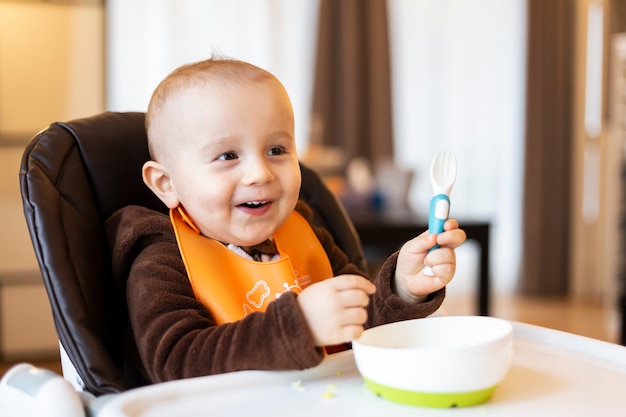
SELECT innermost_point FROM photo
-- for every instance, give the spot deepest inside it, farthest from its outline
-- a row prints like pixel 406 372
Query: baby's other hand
pixel 410 281
pixel 335 308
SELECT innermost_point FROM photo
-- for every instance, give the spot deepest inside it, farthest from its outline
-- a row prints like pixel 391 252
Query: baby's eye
pixel 227 156
pixel 276 150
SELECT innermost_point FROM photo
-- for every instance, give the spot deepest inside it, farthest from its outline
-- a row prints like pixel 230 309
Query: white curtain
pixel 146 39
pixel 458 80
pixel 458 72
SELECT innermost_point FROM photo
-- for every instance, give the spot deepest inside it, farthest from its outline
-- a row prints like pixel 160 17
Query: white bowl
pixel 453 361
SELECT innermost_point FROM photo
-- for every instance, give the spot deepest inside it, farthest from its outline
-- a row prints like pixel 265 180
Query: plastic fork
pixel 442 177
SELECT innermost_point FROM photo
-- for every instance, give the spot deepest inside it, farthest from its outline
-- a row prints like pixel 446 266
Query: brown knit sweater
pixel 173 336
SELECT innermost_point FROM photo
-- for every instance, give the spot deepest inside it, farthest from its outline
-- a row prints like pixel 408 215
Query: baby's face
pixel 234 167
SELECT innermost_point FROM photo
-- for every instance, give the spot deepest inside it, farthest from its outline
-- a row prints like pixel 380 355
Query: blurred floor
pixel 589 319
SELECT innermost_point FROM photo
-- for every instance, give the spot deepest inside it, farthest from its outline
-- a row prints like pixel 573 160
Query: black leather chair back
pixel 73 176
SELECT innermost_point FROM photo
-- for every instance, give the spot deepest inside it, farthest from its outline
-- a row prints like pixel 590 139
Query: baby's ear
pixel 156 177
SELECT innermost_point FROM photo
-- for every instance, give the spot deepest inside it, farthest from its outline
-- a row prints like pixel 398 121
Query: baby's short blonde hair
pixel 216 68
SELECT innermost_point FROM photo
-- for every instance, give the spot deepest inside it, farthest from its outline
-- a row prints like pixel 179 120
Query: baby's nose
pixel 258 172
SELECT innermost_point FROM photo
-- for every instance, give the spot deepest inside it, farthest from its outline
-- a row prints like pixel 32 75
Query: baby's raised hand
pixel 335 308
pixel 410 281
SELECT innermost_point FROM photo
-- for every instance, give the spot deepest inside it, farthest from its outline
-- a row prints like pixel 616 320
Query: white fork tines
pixel 443 172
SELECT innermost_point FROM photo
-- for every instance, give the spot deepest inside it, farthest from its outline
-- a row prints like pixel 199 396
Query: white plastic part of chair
pixel 26 390
pixel 69 371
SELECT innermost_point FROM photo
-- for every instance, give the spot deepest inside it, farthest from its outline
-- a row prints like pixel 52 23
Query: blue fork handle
pixel 438 214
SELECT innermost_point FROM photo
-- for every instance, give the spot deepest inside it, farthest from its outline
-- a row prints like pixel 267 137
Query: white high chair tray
pixel 552 372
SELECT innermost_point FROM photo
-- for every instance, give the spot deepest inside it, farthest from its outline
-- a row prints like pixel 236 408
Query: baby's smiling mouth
pixel 254 204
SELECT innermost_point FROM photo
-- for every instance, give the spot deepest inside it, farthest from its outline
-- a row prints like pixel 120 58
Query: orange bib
pixel 231 286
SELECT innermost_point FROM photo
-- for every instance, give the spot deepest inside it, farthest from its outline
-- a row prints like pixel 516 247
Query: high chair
pixel 73 176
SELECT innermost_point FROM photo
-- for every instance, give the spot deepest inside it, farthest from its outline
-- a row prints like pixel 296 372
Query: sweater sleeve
pixel 385 306
pixel 174 335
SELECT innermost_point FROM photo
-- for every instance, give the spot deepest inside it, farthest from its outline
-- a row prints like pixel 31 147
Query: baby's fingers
pixel 451 238
pixel 450 224
pixel 351 283
pixel 353 298
pixel 421 244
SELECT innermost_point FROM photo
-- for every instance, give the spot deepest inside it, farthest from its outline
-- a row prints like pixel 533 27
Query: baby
pixel 237 277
